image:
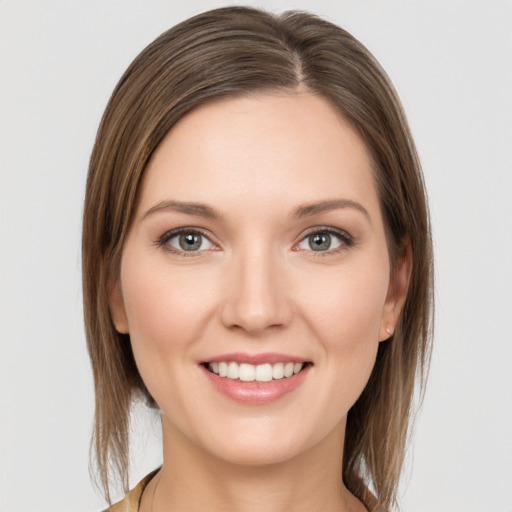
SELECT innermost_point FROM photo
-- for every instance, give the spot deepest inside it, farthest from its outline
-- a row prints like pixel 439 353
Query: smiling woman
pixel 257 265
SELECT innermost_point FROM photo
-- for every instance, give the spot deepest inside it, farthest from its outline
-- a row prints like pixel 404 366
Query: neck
pixel 192 479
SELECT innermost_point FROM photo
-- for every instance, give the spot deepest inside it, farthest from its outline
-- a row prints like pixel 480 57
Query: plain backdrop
pixel 451 61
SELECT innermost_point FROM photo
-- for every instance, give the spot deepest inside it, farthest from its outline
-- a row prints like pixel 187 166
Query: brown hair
pixel 233 51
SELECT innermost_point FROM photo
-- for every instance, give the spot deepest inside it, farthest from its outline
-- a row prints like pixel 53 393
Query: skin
pixel 257 286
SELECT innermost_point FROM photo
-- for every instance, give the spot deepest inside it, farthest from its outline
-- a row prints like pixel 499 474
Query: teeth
pixel 259 373
pixel 246 372
pixel 232 371
pixel 278 371
pixel 263 373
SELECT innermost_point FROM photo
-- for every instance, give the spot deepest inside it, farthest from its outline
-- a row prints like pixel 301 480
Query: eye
pixel 325 240
pixel 186 240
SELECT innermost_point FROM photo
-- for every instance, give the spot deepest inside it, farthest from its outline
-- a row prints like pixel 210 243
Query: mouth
pixel 265 372
pixel 256 379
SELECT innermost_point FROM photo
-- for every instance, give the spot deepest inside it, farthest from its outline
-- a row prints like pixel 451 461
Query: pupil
pixel 190 241
pixel 320 241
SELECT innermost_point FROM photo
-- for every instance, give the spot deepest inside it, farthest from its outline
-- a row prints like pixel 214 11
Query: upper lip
pixel 255 359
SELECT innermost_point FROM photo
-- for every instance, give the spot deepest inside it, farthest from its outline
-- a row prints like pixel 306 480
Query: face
pixel 255 281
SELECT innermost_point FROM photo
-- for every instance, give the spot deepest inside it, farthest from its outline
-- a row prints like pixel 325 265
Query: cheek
pixel 165 309
pixel 346 307
pixel 346 318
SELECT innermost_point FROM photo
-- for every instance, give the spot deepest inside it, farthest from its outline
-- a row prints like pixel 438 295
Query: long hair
pixel 231 52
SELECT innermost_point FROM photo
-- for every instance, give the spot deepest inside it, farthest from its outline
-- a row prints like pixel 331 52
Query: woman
pixel 257 265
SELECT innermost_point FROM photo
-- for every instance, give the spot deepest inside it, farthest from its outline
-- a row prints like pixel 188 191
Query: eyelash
pixel 347 240
pixel 163 241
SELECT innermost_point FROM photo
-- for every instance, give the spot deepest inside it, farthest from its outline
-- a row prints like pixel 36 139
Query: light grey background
pixel 451 61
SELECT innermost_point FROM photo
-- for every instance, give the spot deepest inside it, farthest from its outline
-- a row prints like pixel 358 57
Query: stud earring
pixel 389 332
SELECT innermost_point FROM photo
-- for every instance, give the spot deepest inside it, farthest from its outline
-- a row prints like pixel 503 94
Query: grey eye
pixel 190 241
pixel 321 241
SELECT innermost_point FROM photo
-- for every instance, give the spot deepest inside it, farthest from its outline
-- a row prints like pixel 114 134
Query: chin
pixel 248 453
pixel 263 442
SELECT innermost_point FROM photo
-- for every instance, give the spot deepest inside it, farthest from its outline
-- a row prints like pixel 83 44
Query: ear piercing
pixel 389 331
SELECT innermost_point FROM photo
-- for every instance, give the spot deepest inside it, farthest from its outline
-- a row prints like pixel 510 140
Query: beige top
pixel 131 501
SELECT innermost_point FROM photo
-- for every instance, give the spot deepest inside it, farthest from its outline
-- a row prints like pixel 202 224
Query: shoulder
pixel 130 503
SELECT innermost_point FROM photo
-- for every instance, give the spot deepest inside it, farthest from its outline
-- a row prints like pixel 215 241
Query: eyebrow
pixel 203 210
pixel 311 209
pixel 197 209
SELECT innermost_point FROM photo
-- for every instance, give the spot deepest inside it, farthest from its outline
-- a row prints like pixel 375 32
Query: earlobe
pixel 397 291
pixel 116 306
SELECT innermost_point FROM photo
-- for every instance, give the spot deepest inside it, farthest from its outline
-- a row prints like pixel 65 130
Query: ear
pixel 116 306
pixel 400 277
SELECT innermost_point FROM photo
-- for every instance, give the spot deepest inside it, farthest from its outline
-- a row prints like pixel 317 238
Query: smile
pixel 256 379
pixel 255 373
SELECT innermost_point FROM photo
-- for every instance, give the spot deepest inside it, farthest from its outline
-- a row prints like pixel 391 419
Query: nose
pixel 256 295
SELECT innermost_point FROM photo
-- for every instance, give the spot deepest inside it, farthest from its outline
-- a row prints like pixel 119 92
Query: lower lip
pixel 256 393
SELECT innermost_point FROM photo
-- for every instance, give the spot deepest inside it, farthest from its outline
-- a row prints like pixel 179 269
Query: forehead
pixel 272 147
